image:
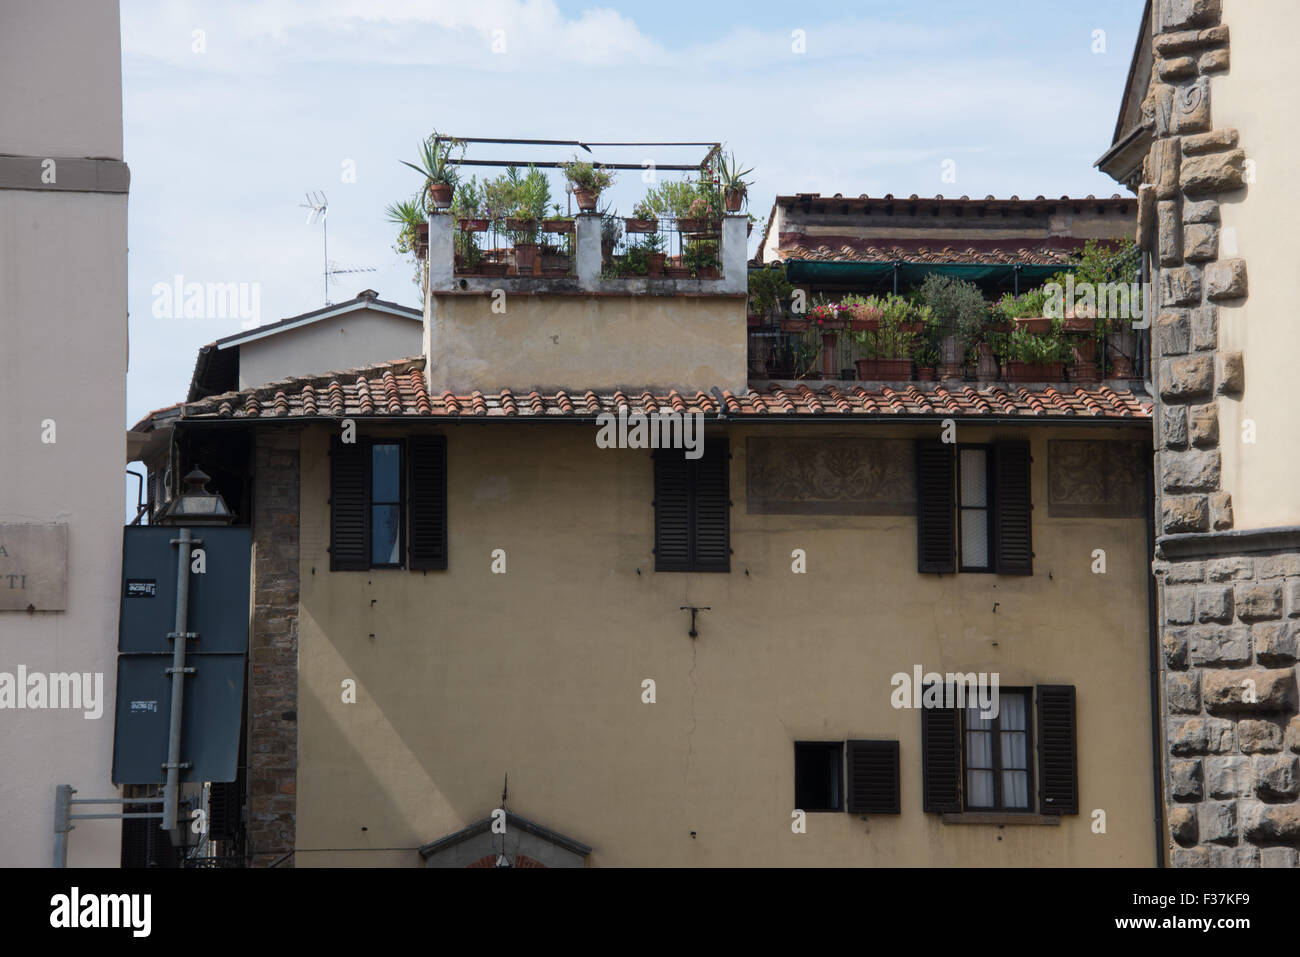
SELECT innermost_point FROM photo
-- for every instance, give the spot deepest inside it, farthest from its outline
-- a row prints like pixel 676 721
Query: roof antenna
pixel 318 206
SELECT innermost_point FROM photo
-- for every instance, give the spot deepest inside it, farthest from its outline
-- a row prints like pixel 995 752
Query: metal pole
pixel 172 787
pixel 62 806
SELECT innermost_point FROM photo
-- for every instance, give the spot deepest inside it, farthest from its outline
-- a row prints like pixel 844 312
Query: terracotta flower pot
pixel 794 325
pixel 641 225
pixel 864 318
pixel 1077 324
pixel 654 263
pixel 733 199
pixel 519 225
pixel 554 264
pixel 586 198
pixel 441 194
pixel 884 370
pixel 473 225
pixel 493 269
pixel 557 225
pixel 925 373
pixel 691 225
pixel 1034 324
pixel 1015 371
pixel 707 272
pixel 525 257
pixel 676 272
pixel 986 367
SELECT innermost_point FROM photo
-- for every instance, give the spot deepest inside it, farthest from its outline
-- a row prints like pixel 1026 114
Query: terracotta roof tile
pixel 397 389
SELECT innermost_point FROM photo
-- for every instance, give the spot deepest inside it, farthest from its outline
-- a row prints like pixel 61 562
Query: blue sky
pixel 224 141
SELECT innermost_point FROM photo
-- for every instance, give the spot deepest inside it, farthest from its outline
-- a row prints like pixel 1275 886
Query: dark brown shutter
pixel 349 507
pixel 936 539
pixel 1058 779
pixel 940 759
pixel 711 494
pixel 1013 543
pixel 873 777
pixel 427 497
pixel 135 836
pixel 224 804
pixel 672 511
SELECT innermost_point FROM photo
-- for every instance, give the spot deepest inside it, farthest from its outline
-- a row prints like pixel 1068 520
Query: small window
pixel 975 528
pixel 998 771
pixel 385 505
pixel 818 775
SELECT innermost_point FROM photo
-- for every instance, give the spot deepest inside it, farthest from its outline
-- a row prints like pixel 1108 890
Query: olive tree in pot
pixel 959 310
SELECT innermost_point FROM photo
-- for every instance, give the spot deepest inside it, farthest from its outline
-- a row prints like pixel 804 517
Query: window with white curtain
pixel 974 508
pixel 997 755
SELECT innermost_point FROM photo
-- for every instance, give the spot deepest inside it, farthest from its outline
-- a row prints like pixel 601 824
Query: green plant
pixel 731 176
pixel 1022 346
pixel 643 210
pixel 956 305
pixel 516 195
pixel 890 340
pixel 1102 267
pixel 926 354
pixel 434 162
pixel 768 288
pixel 699 255
pixel 1027 305
pixel 407 214
pixel 584 175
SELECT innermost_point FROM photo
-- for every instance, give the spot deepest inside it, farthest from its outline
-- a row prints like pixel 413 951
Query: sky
pixel 233 110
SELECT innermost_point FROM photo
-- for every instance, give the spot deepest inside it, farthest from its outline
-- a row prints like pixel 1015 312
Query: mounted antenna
pixel 318 209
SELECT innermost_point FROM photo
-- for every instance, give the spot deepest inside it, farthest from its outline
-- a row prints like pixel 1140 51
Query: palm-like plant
pixel 408 215
pixel 435 164
pixel 733 181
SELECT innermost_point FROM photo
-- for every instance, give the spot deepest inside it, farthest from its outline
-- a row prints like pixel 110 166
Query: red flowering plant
pixel 824 314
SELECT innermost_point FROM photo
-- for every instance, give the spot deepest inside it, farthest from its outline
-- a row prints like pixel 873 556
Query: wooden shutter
pixel 940 759
pixel 1058 779
pixel 427 502
pixel 1013 544
pixel 711 501
pixel 873 777
pixel 349 506
pixel 672 505
pixel 225 801
pixel 936 539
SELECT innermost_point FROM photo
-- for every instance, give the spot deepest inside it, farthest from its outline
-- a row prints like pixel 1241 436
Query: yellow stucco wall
pixel 464 676
pixel 1254 97
pixel 595 342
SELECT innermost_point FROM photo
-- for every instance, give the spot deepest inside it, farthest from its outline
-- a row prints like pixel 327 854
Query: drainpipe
pixel 1153 665
pixel 179 636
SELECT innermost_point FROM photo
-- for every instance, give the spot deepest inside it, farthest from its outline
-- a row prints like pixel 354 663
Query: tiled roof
pixel 866 252
pixel 397 389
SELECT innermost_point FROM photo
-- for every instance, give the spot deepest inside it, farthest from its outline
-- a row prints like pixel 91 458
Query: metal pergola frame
pixel 714 149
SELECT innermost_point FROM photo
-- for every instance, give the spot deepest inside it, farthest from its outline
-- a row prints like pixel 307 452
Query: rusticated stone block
pixel 1279 857
pixel 1293 599
pixel 1228 777
pixel 1200 242
pixel 1169 233
pixel 1180 286
pixel 1186 736
pixel 1214 603
pixel 1174 642
pixel 1186 379
pixel 1182 825
pixel 1184 513
pixel 1213 172
pixel 1293 735
pixel 1257 736
pixel 1200 211
pixel 1275 643
pixel 1277 777
pixel 1192 108
pixel 1189 736
pixel 1258 602
pixel 1173 426
pixel 1230 569
pixel 1271 823
pixel 1203 425
pixel 1214 61
pixel 1180 573
pixel 1223 647
pixel 1220 511
pixel 1253 690
pixel 1279 566
pixel 1217 822
pixel 1181 14
pixel 1214 141
pixel 1177 68
pixel 1191 471
pixel 1185 780
pixel 1183 692
pixel 1174 330
pixel 1146 216
pixel 1234 857
pixel 1190 857
pixel 1170 44
pixel 1165 161
pixel 1232 373
pixel 1226 279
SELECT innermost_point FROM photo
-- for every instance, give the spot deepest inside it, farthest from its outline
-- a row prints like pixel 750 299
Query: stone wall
pixel 1228 605
pixel 273 650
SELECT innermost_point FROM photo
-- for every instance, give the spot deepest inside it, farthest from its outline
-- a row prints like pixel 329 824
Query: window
pixel 388 504
pixel 872 778
pixel 817 772
pixel 988 764
pixel 998 774
pixel 974 509
pixel 692 510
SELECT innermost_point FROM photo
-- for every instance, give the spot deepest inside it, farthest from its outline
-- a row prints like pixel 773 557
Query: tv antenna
pixel 318 209
pixel 333 271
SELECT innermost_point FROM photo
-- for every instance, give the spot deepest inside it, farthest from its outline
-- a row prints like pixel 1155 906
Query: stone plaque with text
pixel 33 567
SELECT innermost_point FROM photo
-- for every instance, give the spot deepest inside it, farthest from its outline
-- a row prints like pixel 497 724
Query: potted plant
pixel 735 189
pixel 588 182
pixel 557 223
pixel 408 217
pixel 655 256
pixel 434 161
pixel 887 352
pixel 702 259
pixel 926 358
pixel 554 260
pixel 768 289
pixel 643 219
pixel 826 315
pixel 1031 357
pixel 863 312
pixel 958 313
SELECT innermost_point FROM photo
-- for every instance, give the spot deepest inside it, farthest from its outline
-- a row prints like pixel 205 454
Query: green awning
pixel 910 273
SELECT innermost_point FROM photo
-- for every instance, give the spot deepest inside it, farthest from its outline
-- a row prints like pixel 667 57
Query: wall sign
pixel 33 567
